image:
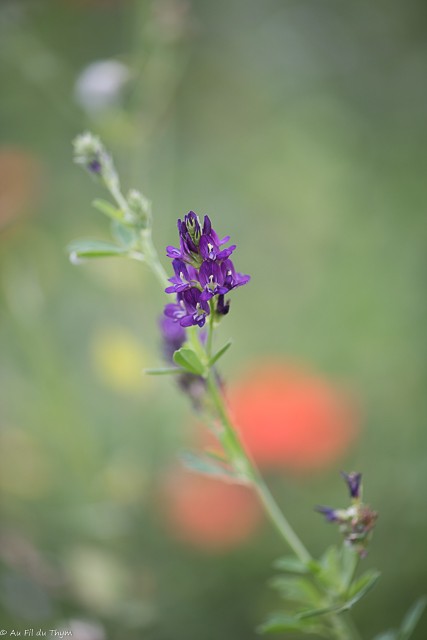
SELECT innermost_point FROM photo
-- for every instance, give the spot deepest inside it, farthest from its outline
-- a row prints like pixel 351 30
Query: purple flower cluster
pixel 204 273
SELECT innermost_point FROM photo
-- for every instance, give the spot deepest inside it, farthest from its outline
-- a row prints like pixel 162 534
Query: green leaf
pixel 330 572
pixel 206 466
pixel 387 635
pixel 320 611
pixel 291 564
pixel 123 235
pixel 280 622
pixel 188 359
pixel 360 588
pixel 297 589
pixel 314 566
pixel 216 455
pixel 411 619
pixel 162 371
pixel 108 209
pixel 220 353
pixel 85 249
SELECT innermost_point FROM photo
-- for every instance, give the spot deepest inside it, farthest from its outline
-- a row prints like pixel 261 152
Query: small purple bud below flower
pixel 174 336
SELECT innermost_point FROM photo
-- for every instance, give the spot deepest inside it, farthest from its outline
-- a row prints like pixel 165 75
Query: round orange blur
pixel 290 418
pixel 20 184
pixel 207 512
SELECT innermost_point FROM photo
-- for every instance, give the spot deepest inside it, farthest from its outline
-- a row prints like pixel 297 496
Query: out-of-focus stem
pixel 349 626
pixel 273 511
pixel 152 258
pixel 210 330
pixel 145 241
pixel 343 629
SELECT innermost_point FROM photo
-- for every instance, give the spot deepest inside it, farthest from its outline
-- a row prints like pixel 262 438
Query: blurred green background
pixel 300 126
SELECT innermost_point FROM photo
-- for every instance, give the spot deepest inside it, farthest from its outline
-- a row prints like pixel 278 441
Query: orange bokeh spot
pixel 207 512
pixel 291 418
pixel 20 184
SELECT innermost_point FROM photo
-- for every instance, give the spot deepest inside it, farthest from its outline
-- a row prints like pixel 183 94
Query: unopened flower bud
pixel 353 481
pixel 192 224
pixel 140 207
pixel 90 153
pixel 330 514
pixel 222 306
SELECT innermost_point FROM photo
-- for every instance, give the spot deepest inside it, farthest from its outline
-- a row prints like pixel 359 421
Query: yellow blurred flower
pixel 119 359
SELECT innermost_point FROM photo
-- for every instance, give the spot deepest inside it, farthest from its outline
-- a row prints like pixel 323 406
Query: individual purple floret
pixel 210 248
pixel 212 279
pixel 177 311
pixel 204 273
pixel 184 276
pixel 330 514
pixel 189 308
pixel 231 278
pixel 353 481
pixel 197 308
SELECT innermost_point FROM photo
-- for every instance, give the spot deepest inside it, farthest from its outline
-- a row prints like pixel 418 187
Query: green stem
pixel 233 442
pixel 210 330
pixel 349 626
pixel 234 445
pixel 145 241
pixel 152 258
pixel 343 629
pixel 280 522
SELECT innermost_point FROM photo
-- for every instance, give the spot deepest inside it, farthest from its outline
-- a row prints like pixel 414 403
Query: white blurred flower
pixel 100 85
pixel 85 630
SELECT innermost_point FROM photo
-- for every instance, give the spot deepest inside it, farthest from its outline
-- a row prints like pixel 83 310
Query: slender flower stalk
pixel 232 443
pixel 132 214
